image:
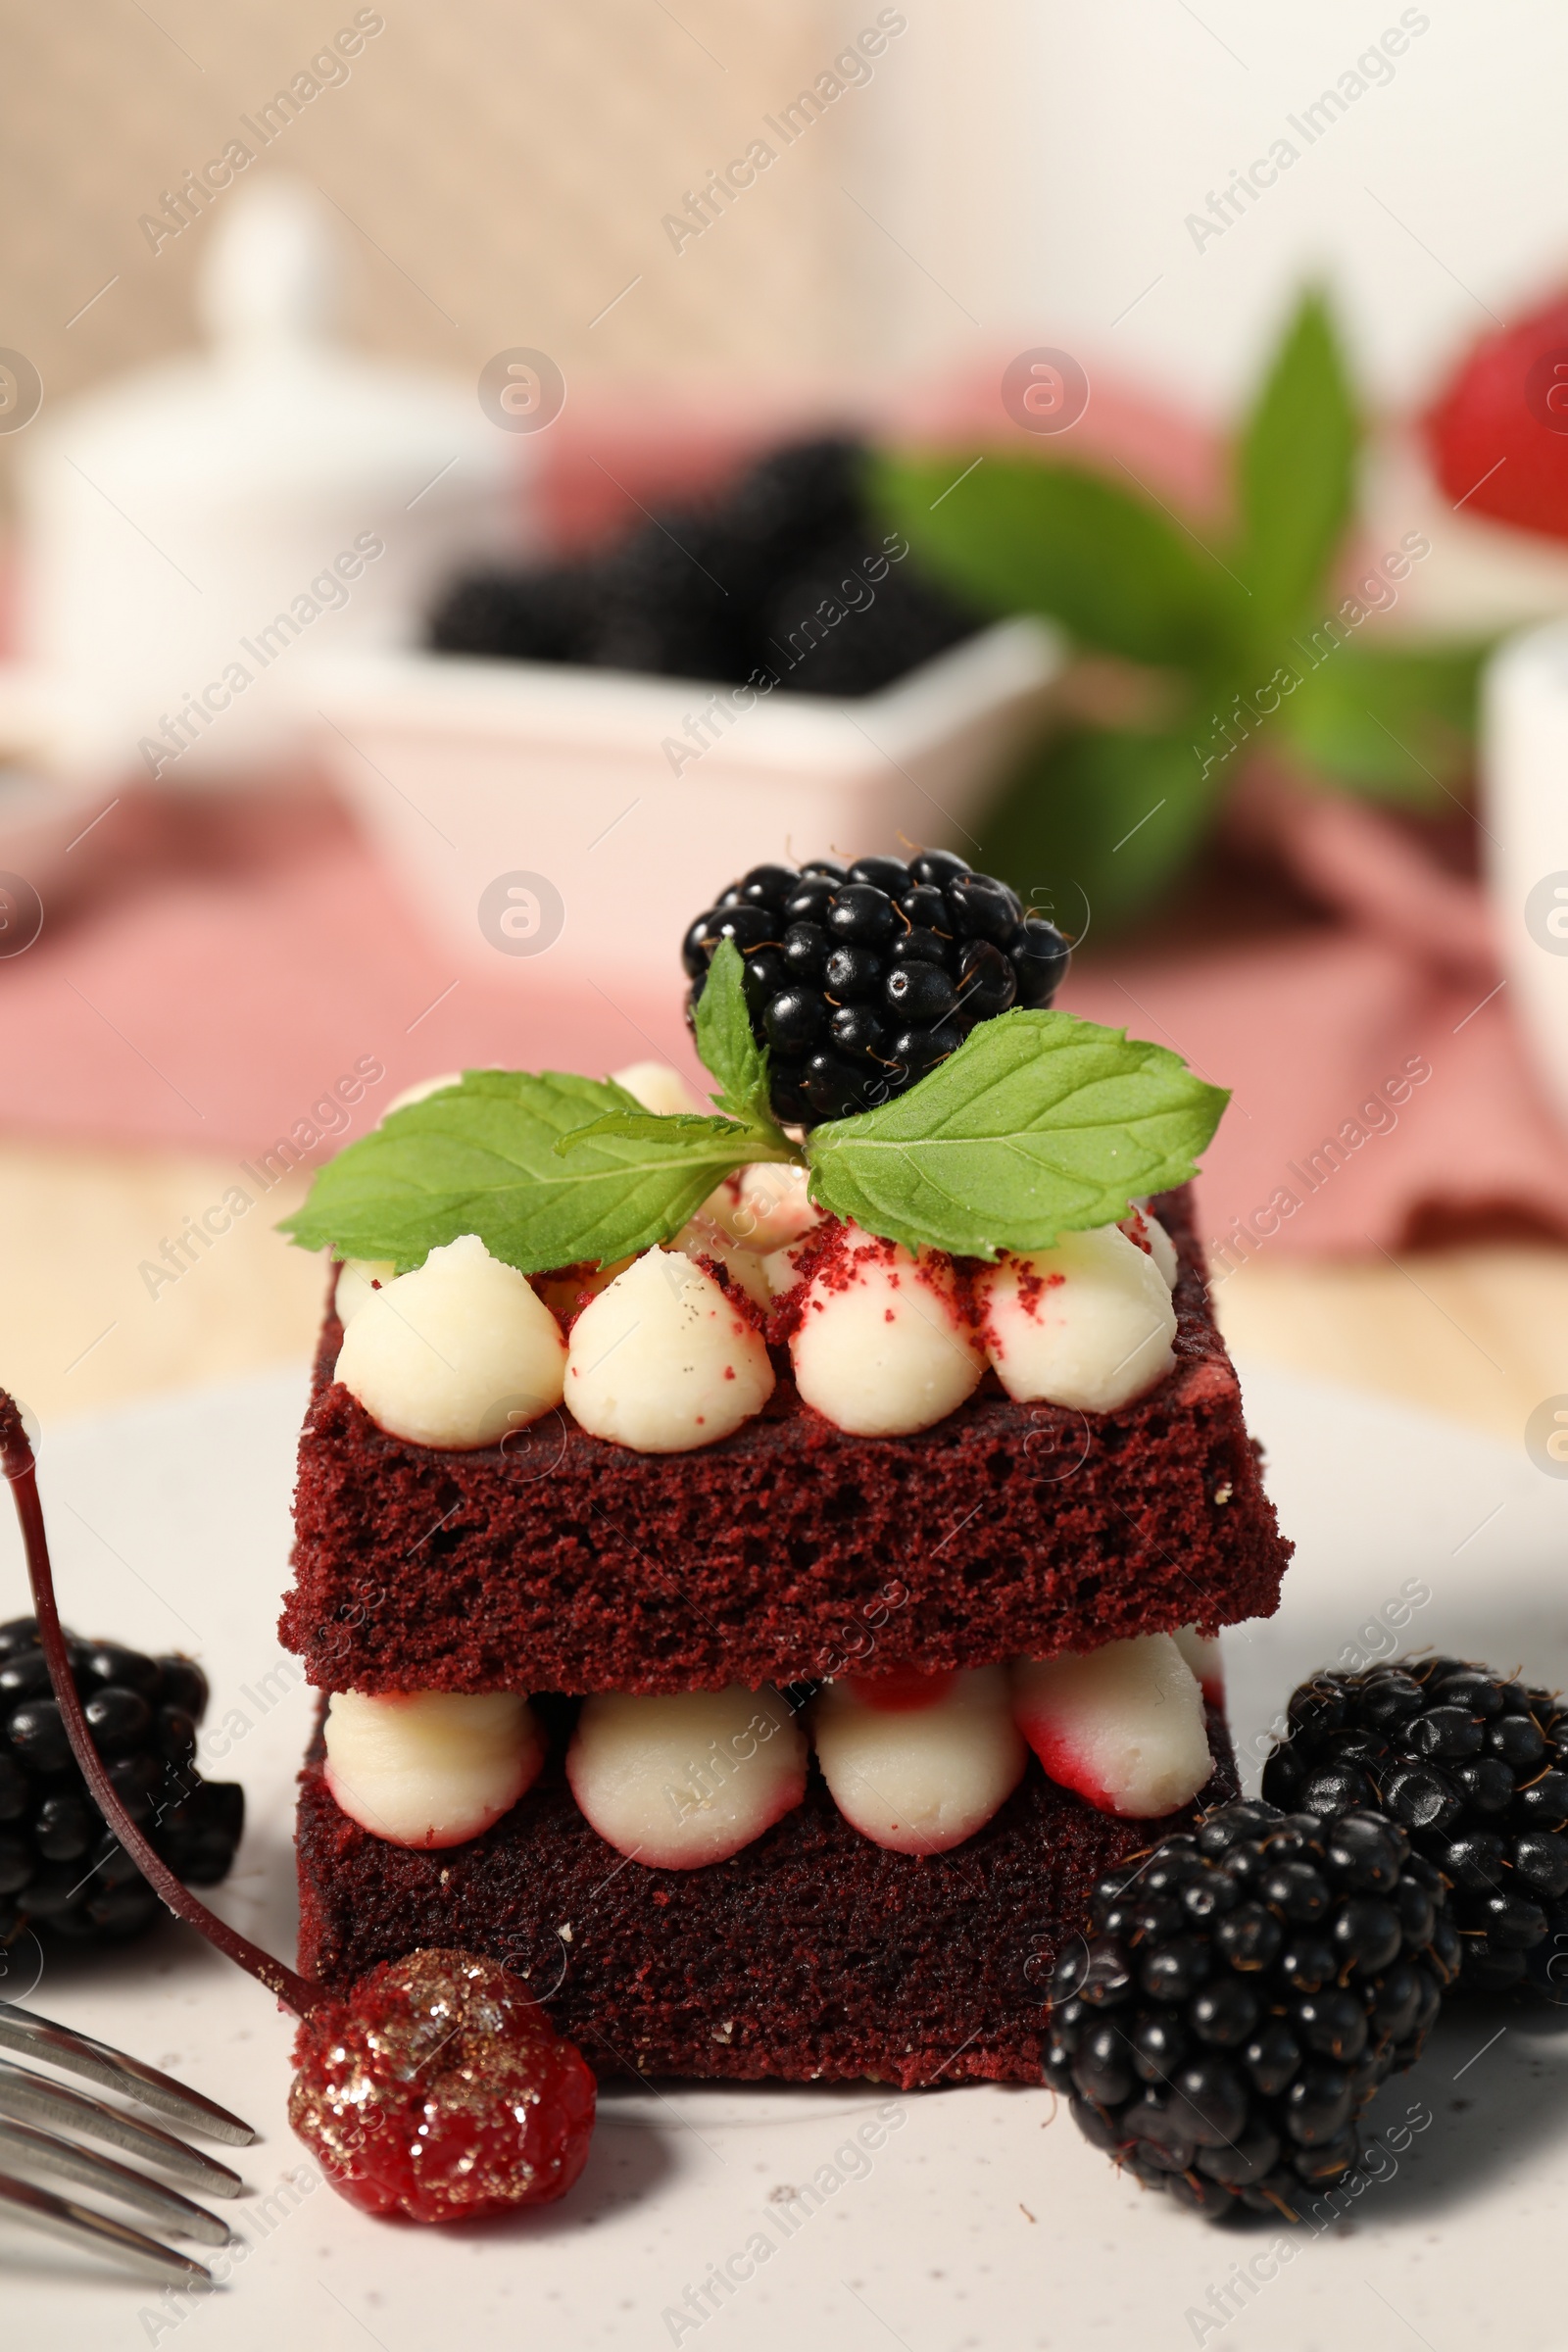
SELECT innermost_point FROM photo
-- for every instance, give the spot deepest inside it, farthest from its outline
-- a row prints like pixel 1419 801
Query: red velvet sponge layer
pixel 789 1550
pixel 809 1955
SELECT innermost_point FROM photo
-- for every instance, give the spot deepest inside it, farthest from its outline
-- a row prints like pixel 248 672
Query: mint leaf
pixel 1398 722
pixel 1296 475
pixel 480 1157
pixel 725 1042
pixel 654 1127
pixel 1040 1124
pixel 1020 535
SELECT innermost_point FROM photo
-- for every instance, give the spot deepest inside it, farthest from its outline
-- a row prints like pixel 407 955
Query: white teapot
pixel 190 532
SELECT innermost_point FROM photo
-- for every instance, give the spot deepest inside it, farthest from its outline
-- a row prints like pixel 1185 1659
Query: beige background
pixel 501 170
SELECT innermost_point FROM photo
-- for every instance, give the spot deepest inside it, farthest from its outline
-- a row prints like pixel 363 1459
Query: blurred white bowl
pixel 532 807
pixel 1523 762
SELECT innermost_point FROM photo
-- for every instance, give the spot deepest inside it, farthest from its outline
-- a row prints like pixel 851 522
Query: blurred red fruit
pixel 1498 432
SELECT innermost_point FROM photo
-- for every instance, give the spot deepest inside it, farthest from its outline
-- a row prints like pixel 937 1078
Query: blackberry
pixel 60 1868
pixel 796 495
pixel 1241 1994
pixel 659 603
pixel 860 979
pixel 723 590
pixel 828 628
pixel 1474 1768
pixel 514 616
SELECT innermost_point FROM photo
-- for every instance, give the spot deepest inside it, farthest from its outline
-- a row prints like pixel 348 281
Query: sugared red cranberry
pixel 440 2090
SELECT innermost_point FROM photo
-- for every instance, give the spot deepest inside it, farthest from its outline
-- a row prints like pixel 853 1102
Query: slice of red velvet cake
pixel 765 1565
pixel 794 1549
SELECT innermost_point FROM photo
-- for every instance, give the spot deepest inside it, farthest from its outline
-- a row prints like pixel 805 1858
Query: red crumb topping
pixel 580 1274
pixel 832 1258
pixel 1032 1287
pixel 752 1317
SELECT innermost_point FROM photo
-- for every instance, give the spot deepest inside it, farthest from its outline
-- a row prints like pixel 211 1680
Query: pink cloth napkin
pixel 248 957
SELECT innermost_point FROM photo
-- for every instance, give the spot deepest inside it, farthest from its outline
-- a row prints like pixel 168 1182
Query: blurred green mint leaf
pixel 1296 475
pixel 1395 721
pixel 1021 536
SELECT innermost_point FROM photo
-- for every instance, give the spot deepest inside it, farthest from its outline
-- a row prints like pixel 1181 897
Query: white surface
pixel 463 771
pixel 172 1524
pixel 1524 759
pixel 1481 576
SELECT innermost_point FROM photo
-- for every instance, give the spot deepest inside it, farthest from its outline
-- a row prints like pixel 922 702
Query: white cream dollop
pixel 430 1767
pixel 657 1087
pixel 880 1348
pixel 566 1294
pixel 765 1206
pixel 422 1087
pixel 683 1779
pixel 455 1353
pixel 702 1237
pixel 1122 1725
pixel 1087 1324
pixel 662 1361
pixel 920 1772
pixel 1207 1660
pixel 1146 1232
pixel 359 1279
pixel 781 1267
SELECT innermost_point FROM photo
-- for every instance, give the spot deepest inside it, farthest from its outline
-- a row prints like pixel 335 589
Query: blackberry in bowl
pixel 783 578
pixel 60 1869
pixel 1238 1997
pixel 862 978
pixel 1474 1766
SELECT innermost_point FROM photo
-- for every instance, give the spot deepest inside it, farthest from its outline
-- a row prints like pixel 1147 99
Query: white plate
pixel 982 2220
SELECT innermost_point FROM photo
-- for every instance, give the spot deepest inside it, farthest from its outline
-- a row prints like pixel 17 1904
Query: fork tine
pixel 62 2157
pixel 60 2217
pixel 60 2046
pixel 39 2101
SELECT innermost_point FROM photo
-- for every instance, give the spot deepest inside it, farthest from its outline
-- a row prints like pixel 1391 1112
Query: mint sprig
pixel 1040 1124
pixel 725 1042
pixel 480 1157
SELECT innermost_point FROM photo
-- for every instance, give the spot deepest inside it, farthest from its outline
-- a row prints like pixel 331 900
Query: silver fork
pixel 29 2100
